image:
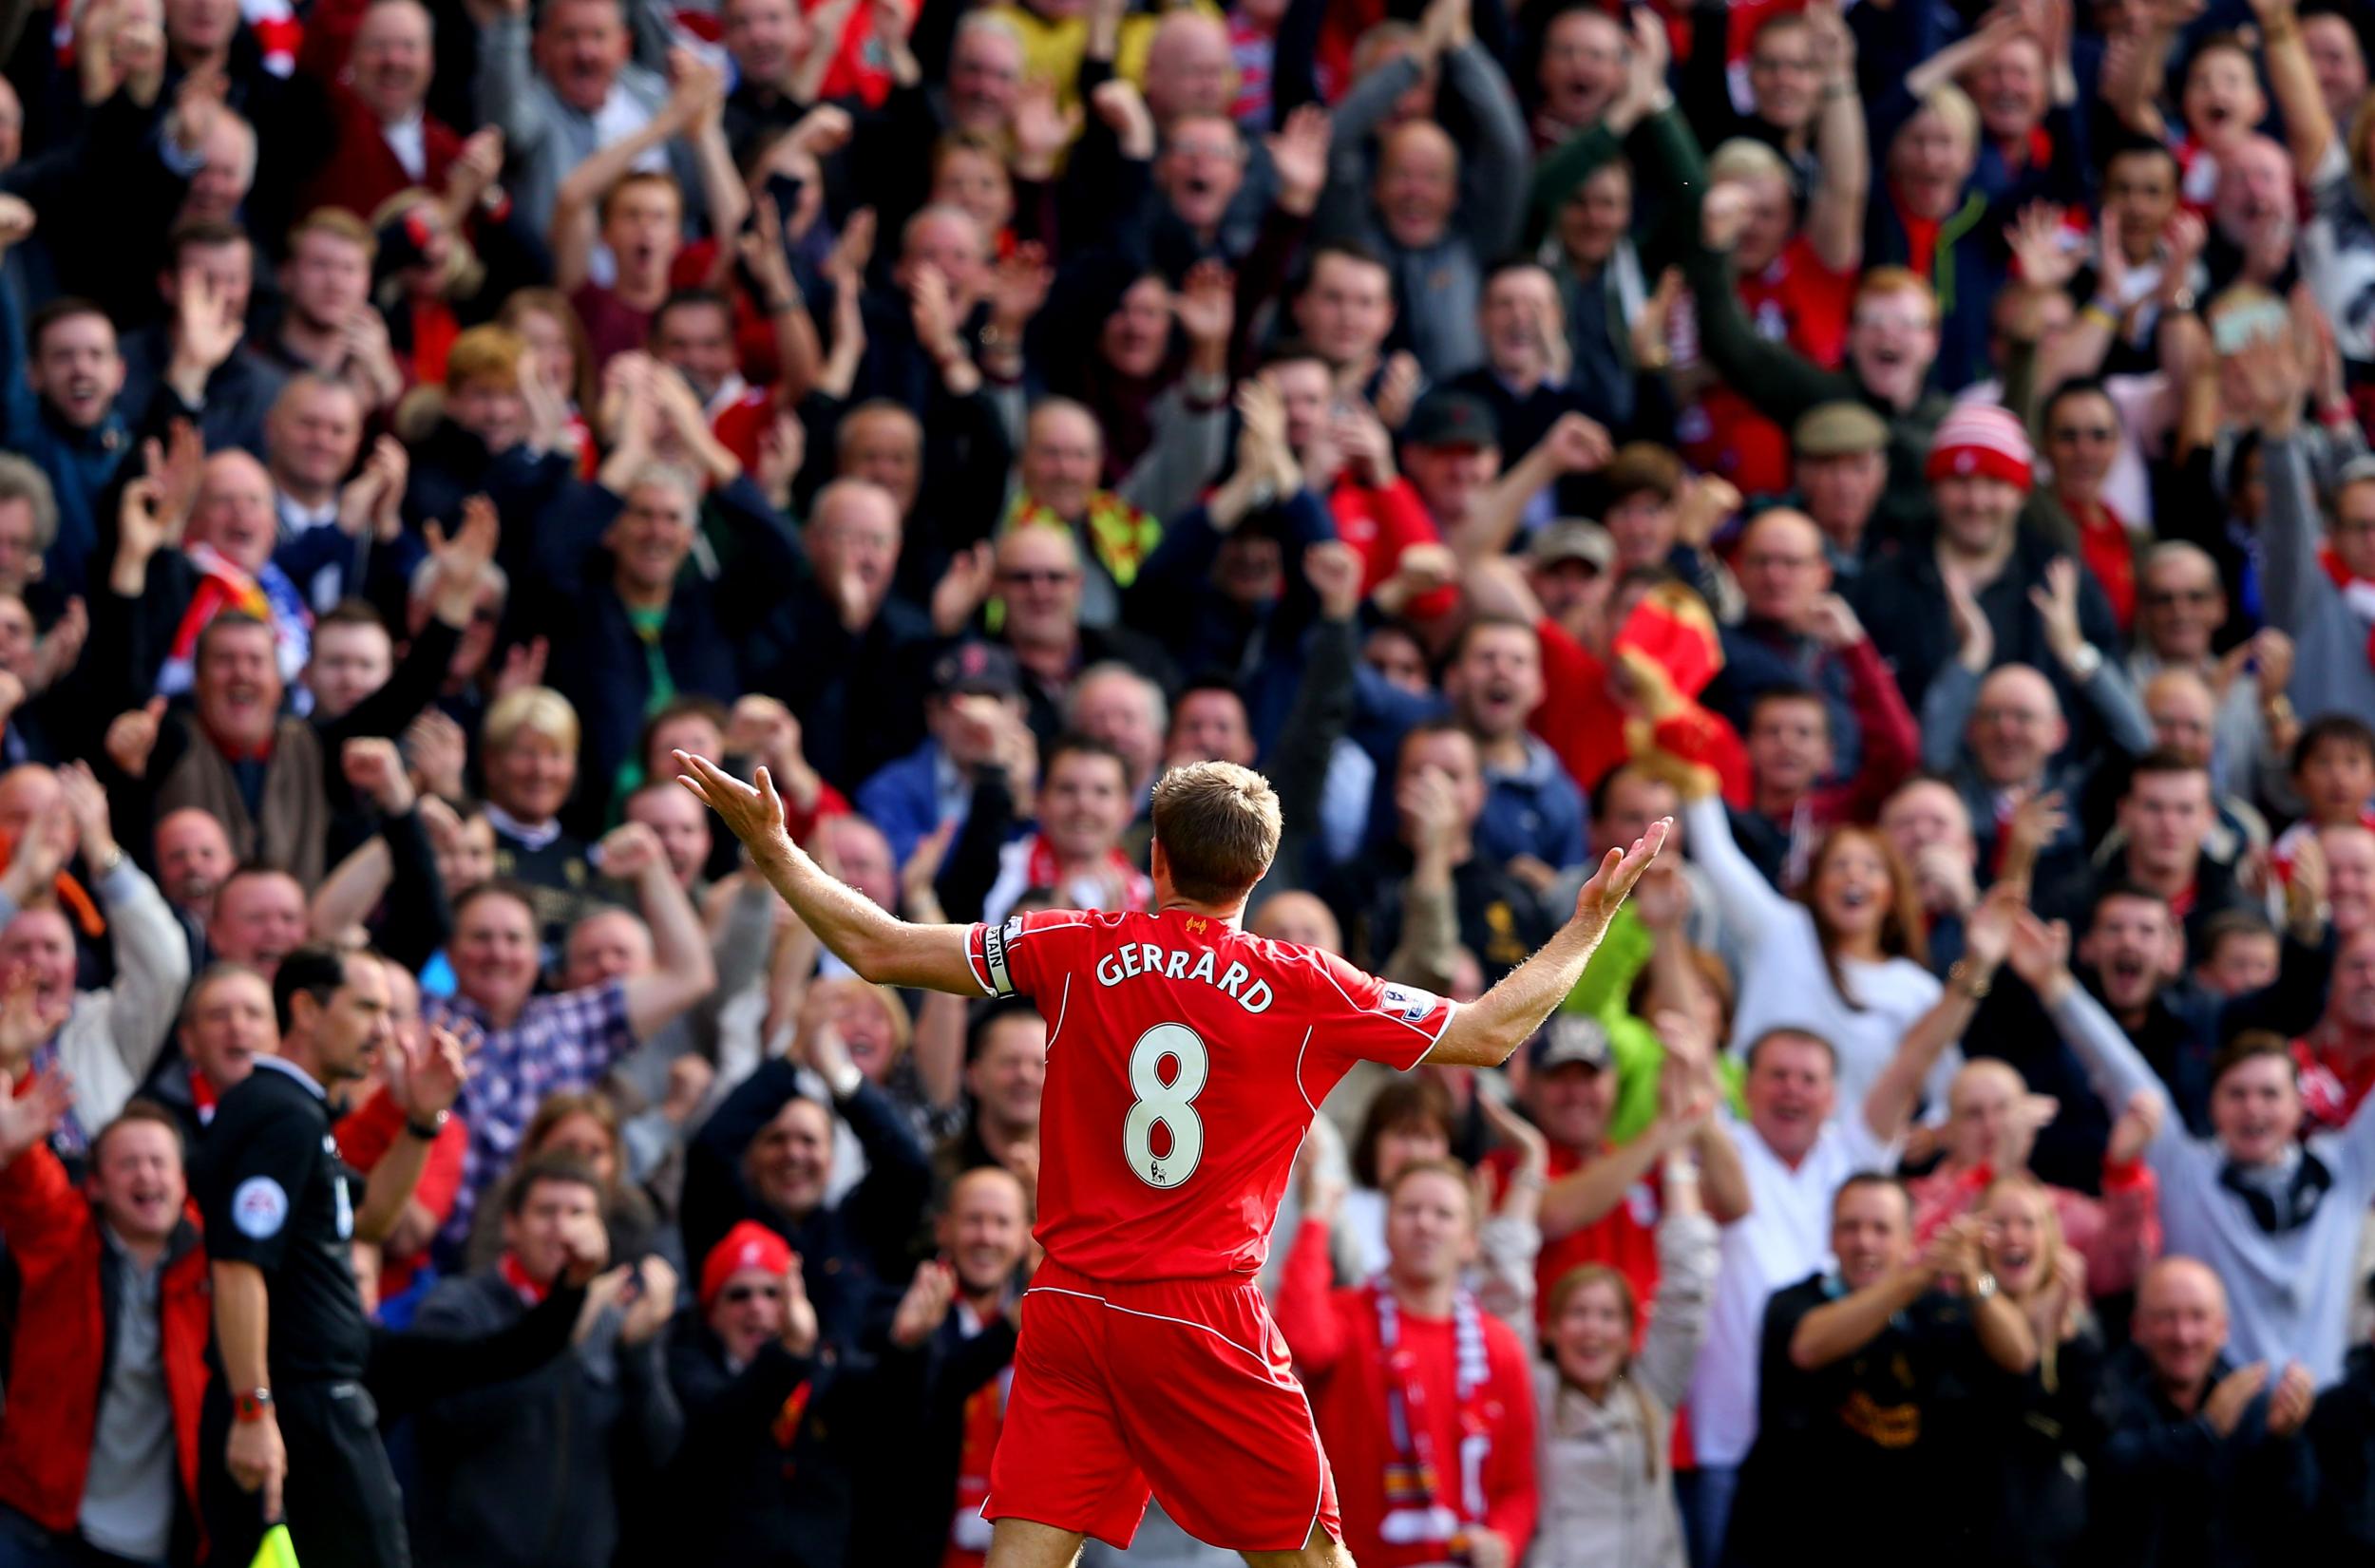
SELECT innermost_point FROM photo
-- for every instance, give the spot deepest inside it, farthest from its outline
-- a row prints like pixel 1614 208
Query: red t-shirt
pixel 1624 1239
pixel 1185 1061
pixel 1796 300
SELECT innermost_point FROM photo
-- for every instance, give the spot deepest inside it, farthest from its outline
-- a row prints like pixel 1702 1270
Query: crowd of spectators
pixel 1921 445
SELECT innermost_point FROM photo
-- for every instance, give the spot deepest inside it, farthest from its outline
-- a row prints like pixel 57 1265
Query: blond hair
pixel 1953 106
pixel 1218 825
pixel 492 353
pixel 1742 158
pixel 537 709
pixel 1898 280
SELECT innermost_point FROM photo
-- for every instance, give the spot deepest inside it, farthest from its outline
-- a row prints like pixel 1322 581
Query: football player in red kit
pixel 1185 1061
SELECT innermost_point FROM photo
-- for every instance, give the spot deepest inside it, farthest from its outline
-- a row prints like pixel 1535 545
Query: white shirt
pixel 1785 1237
pixel 403 138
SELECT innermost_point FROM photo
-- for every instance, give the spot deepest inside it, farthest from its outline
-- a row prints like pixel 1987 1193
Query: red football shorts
pixel 1181 1390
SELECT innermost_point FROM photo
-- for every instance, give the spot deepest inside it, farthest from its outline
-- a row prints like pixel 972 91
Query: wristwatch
pixel 255 1405
pixel 2083 663
pixel 427 1130
pixel 1983 1287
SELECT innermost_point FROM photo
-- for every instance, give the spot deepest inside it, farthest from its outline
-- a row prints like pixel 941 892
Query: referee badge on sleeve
pixel 259 1207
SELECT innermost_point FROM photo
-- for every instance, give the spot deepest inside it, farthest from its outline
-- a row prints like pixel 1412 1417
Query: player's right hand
pixel 754 814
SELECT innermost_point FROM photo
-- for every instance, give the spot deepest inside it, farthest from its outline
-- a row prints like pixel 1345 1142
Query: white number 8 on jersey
pixel 1171 1103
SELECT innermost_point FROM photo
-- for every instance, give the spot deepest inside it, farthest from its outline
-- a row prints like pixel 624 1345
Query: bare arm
pixel 1488 1031
pixel 255 1455
pixel 683 971
pixel 1988 937
pixel 871 940
pixel 1834 209
pixel 2307 126
pixel 1838 1329
pixel 574 224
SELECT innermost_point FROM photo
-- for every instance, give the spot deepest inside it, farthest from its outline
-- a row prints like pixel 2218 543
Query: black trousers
pixel 343 1505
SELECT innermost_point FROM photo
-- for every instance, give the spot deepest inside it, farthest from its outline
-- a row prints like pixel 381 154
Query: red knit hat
pixel 749 1246
pixel 1979 438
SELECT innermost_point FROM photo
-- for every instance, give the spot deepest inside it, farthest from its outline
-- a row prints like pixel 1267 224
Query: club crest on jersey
pixel 1133 959
pixel 1408 1001
pixel 1198 925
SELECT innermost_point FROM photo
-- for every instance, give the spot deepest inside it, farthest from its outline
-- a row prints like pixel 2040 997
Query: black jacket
pixel 537 1470
pixel 853 1255
pixel 2171 1493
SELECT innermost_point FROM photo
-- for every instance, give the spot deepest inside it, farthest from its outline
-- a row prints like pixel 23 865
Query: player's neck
pixel 1423 1298
pixel 1229 914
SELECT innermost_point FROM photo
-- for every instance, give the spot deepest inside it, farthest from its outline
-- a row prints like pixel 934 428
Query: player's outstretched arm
pixel 879 945
pixel 1487 1030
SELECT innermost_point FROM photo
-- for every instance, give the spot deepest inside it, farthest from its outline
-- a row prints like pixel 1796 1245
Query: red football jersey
pixel 1185 1062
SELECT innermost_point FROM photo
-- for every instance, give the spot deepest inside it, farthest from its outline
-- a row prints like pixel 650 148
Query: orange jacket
pixel 58 1367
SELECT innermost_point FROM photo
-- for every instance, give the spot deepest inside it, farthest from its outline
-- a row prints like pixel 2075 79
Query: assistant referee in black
pixel 281 1220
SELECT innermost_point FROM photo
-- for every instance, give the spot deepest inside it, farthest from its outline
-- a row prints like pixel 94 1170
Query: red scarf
pixel 985 1418
pixel 1416 1511
pixel 516 1276
pixel 2105 546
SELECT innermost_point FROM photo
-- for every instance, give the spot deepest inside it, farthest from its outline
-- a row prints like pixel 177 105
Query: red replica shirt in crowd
pixel 1339 1352
pixel 1185 1061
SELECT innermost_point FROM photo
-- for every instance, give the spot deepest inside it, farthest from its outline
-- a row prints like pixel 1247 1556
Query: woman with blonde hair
pixel 1605 1469
pixel 2035 1433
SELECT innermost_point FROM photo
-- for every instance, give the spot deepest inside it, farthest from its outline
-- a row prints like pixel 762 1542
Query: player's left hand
pixel 755 814
pixel 1604 894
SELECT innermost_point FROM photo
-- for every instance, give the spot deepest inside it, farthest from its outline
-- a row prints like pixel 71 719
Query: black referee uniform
pixel 276 1195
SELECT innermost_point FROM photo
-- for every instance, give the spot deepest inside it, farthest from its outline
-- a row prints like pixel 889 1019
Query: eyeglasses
pixel 2164 599
pixel 1030 578
pixel 737 1294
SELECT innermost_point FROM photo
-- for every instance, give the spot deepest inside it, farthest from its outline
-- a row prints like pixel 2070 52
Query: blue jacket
pixel 81 465
pixel 903 800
